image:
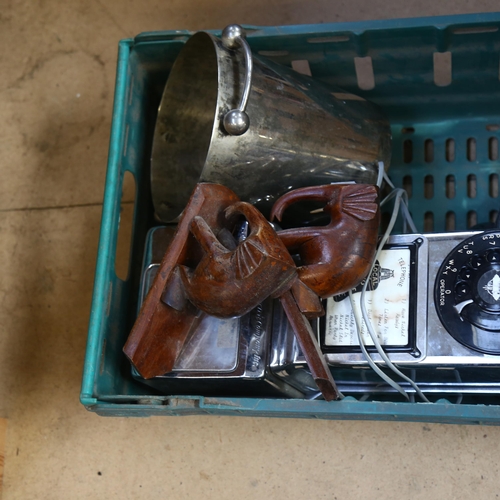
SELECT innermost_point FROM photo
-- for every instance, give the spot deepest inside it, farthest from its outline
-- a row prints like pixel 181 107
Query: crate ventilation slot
pixel 442 68
pixel 273 53
pixel 471 149
pixel 408 185
pixel 493 148
pixel 471 218
pixel 450 221
pixel 407 130
pixel 407 151
pixel 428 222
pixel 471 186
pixel 493 182
pixel 429 150
pixel 364 72
pixel 450 150
pixel 329 39
pixel 450 188
pixel 429 187
pixel 302 66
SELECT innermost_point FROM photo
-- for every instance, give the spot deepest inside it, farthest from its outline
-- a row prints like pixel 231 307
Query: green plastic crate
pixel 438 80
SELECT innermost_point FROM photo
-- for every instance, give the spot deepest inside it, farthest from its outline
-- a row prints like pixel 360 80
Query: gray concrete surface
pixel 57 70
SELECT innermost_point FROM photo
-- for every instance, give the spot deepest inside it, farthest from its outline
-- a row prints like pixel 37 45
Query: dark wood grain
pixel 336 257
pixel 231 282
pixel 310 348
pixel 204 269
pixel 160 330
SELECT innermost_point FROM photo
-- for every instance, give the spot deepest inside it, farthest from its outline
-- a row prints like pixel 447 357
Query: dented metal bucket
pixel 232 117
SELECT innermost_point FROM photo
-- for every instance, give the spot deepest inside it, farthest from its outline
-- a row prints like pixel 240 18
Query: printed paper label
pixel 387 302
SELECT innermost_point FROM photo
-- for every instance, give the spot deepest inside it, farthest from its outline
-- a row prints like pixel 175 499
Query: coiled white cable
pixel 366 354
pixel 400 201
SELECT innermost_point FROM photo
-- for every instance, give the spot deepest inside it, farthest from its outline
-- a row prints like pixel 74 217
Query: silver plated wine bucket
pixel 232 117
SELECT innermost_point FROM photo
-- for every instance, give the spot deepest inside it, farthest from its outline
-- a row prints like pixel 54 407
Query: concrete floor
pixel 57 70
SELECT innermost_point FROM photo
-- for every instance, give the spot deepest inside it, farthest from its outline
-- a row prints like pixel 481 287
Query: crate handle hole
pixel 493 148
pixel 364 72
pixel 302 66
pixel 442 68
pixel 450 186
pixel 450 150
pixel 124 242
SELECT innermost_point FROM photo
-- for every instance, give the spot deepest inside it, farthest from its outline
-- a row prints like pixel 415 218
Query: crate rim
pixel 349 408
pixel 438 22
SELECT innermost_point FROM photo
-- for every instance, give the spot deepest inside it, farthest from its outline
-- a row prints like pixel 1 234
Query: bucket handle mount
pixel 236 121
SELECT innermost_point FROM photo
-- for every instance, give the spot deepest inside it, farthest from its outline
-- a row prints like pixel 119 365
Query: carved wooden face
pixel 230 282
pixel 336 257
